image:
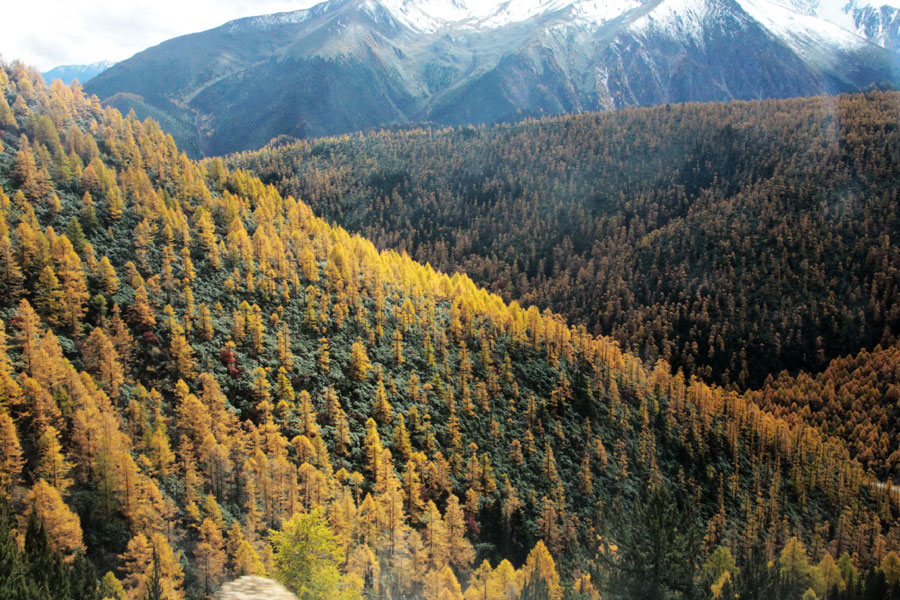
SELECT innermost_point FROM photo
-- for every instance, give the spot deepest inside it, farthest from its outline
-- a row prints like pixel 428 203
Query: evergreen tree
pixel 658 547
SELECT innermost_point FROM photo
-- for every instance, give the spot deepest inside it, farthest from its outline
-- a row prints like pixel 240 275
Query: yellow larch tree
pixel 373 448
pixel 435 538
pixel 400 439
pixel 142 313
pixel 11 460
pixel 283 348
pixel 73 280
pixel 359 361
pixel 391 516
pixel 109 281
pixel 181 352
pixel 159 450
pixel 138 560
pixel 540 565
pixel 209 555
pixel 102 360
pixel 52 464
pixel 505 580
pixel 62 524
pixel 307 415
pixel 246 560
pixel 49 296
pixel 322 356
pixel 398 347
pixel 382 408
pixel 412 487
pixel 479 583
pixel 461 551
pixel 441 584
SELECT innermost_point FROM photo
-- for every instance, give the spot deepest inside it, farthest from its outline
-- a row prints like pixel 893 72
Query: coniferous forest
pixel 732 240
pixel 201 377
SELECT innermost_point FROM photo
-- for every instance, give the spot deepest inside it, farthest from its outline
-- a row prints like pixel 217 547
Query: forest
pixel 732 240
pixel 857 398
pixel 201 379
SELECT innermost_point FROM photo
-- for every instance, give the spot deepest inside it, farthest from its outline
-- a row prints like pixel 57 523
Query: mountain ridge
pixel 348 65
pixel 83 73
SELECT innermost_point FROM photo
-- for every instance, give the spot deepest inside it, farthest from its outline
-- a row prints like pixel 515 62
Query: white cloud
pixel 47 33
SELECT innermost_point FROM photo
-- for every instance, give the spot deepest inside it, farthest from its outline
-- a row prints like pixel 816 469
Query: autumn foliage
pixel 201 379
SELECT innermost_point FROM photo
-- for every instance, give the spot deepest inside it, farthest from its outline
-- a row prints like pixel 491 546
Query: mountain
pixel 876 20
pixel 880 24
pixel 83 73
pixel 200 379
pixel 347 65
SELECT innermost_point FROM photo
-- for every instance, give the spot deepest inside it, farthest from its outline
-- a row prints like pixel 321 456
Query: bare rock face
pixel 254 588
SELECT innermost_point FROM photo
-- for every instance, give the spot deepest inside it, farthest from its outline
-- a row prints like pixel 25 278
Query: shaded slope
pixel 733 240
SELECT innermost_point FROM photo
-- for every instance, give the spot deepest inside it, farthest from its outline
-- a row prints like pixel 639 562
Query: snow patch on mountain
pixel 802 24
pixel 515 11
pixel 836 12
pixel 877 21
pixel 685 18
pixel 424 15
pixel 431 16
pixel 866 18
pixel 597 12
pixel 805 34
pixel 267 22
pixel 83 73
pixel 875 3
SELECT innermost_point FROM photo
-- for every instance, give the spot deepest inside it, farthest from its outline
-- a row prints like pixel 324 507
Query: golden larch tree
pixel 62 524
pixel 11 461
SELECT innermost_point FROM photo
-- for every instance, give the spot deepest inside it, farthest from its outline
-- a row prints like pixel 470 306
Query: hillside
pixel 857 398
pixel 200 379
pixel 349 65
pixel 733 240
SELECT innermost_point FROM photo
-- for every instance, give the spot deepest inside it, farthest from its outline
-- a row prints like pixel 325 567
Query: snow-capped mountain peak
pixel 434 15
pixel 809 20
pixel 83 73
pixel 853 15
pixel 344 65
pixel 805 31
pixel 815 18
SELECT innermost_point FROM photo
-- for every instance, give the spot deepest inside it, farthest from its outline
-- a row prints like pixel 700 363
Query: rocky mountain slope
pixel 347 65
pixel 876 20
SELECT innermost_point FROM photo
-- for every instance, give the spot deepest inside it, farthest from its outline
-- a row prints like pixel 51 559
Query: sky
pixel 49 33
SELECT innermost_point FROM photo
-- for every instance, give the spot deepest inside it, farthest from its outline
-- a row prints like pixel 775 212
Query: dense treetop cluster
pixel 857 398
